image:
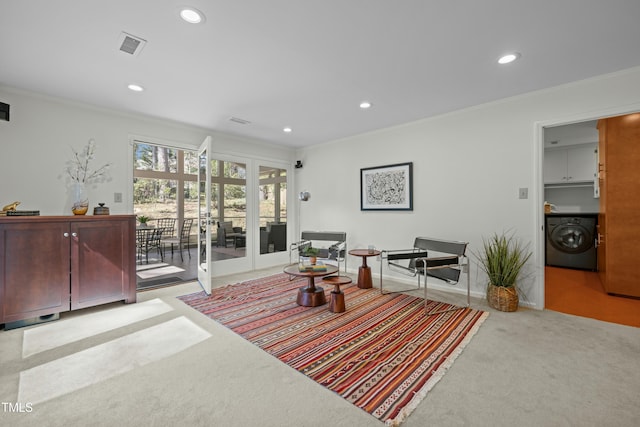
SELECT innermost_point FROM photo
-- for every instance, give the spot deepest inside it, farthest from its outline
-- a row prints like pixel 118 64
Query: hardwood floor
pixel 580 293
pixel 174 269
pixel 171 271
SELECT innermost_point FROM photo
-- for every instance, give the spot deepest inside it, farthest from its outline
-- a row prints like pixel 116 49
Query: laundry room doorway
pixel 571 173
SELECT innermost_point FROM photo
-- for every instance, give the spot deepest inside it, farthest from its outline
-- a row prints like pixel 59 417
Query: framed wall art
pixel 387 188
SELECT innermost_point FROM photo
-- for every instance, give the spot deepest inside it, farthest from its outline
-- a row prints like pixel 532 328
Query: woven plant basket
pixel 501 298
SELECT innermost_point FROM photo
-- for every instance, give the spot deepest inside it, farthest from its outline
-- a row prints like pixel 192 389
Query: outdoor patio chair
pixel 148 239
pixel 227 233
pixel 278 236
pixel 182 240
pixel 167 227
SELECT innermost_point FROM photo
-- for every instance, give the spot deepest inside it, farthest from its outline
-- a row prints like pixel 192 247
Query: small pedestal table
pixel 364 272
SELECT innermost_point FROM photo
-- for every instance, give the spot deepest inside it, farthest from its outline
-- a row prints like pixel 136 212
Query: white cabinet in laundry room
pixel 570 165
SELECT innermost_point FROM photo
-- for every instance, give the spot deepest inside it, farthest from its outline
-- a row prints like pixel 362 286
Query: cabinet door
pixel 555 166
pixel 34 270
pixel 581 164
pixel 102 261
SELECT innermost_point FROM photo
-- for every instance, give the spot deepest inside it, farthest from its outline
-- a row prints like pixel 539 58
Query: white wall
pixel 468 167
pixel 572 199
pixel 35 144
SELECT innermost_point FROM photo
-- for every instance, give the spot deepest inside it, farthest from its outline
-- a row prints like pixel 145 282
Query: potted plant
pixel 143 220
pixel 312 253
pixel 502 258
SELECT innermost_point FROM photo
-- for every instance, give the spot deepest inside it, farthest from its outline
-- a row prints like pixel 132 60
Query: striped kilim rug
pixel 382 354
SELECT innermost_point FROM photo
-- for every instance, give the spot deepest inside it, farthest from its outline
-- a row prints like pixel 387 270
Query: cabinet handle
pixel 600 239
pixel 66 234
pixel 74 234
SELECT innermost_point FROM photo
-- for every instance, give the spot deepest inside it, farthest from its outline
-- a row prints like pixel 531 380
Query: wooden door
pixel 102 262
pixel 622 205
pixel 34 269
pixel 602 232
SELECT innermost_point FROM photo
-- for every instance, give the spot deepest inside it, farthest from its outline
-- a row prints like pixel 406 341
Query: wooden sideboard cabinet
pixel 60 263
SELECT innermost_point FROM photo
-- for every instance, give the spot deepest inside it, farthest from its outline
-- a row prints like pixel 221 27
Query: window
pixel 164 181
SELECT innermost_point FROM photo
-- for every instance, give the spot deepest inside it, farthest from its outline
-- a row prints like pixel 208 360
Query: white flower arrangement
pixel 78 167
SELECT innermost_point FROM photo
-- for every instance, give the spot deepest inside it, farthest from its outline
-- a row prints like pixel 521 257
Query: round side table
pixel 310 295
pixel 336 305
pixel 364 272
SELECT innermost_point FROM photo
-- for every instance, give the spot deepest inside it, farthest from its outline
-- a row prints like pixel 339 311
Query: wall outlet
pixel 523 193
pixel 117 197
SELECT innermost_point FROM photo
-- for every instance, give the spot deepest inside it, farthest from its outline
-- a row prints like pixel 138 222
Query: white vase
pixel 80 200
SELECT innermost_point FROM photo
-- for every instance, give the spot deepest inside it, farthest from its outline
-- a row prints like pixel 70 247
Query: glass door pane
pixel 165 191
pixel 231 187
pixel 272 209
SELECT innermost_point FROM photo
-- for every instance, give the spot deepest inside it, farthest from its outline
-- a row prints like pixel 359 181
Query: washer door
pixel 571 238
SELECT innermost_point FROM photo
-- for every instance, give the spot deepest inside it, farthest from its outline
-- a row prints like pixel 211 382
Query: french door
pixel 204 215
pixel 273 225
pixel 226 213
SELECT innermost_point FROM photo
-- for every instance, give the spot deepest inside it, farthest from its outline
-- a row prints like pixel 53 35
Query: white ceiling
pixel 308 64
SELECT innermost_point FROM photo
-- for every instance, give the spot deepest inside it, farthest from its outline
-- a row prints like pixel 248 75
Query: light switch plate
pixel 523 193
pixel 117 197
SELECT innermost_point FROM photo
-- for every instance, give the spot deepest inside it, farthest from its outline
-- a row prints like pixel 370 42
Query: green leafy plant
pixel 310 251
pixel 502 258
pixel 143 219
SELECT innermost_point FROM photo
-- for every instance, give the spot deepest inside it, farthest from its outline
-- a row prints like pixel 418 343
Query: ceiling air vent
pixel 131 44
pixel 239 120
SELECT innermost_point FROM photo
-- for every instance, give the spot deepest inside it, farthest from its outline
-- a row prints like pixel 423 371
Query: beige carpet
pixel 56 334
pixel 99 363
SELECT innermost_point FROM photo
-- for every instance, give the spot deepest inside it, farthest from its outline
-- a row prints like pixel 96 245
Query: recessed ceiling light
pixel 365 104
pixel 508 58
pixel 191 15
pixel 135 88
pixel 287 130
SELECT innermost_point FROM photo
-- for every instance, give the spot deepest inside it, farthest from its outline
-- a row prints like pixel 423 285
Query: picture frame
pixel 387 188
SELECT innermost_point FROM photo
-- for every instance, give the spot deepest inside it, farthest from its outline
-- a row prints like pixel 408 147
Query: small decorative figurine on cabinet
pixel 10 207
